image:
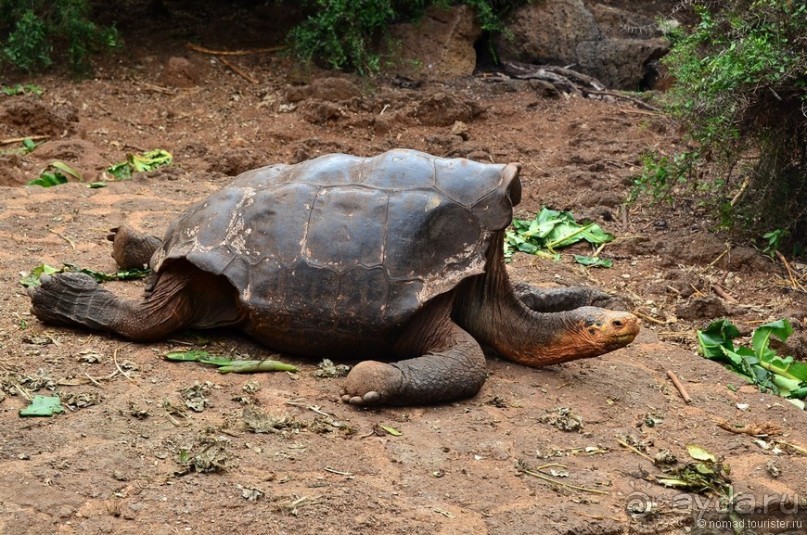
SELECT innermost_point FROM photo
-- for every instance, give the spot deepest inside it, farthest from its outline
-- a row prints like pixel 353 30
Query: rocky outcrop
pixel 440 46
pixel 619 47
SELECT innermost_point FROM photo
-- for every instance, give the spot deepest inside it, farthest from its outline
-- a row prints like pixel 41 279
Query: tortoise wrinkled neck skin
pixel 488 308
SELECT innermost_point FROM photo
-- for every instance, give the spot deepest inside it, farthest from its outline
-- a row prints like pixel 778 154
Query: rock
pixel 181 72
pixel 460 129
pixel 622 63
pixel 439 46
pixel 547 32
pixel 235 161
pixel 707 307
pixel 620 48
pixel 443 109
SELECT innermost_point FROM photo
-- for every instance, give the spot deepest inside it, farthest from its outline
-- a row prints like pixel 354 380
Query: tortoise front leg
pixel 451 365
pixel 181 299
pixel 562 299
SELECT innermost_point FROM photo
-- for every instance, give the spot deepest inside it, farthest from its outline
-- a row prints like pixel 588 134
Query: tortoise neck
pixel 487 307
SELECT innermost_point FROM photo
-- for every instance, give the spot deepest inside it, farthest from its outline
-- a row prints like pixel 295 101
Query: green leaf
pixel 761 338
pixel 227 365
pixel 138 163
pixel 390 430
pixel 67 170
pixel 716 338
pixel 32 279
pixel 699 453
pixel 43 406
pixel 28 144
pixel 100 276
pixel 191 355
pixel 550 230
pixel 593 261
pixel 46 180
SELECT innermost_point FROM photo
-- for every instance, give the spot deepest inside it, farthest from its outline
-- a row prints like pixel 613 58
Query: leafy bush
pixel 30 31
pixel 343 34
pixel 741 92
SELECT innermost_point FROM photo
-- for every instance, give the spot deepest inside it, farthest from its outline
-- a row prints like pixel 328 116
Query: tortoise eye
pixel 617 323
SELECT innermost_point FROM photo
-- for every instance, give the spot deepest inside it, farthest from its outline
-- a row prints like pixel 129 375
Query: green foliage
pixel 139 163
pixel 552 230
pixel 30 31
pixel 22 89
pixel 759 364
pixel 740 92
pixel 340 33
pixel 343 34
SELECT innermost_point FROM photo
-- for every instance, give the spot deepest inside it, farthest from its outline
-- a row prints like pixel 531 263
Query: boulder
pixel 619 47
pixel 438 47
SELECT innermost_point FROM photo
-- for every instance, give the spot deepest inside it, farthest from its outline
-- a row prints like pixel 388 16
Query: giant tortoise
pixel 398 257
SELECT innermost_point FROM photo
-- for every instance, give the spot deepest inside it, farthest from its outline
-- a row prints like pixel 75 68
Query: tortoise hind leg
pixel 562 299
pixel 132 249
pixel 180 299
pixel 451 366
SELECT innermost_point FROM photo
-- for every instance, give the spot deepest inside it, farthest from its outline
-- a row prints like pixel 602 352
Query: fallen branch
pixel 754 430
pixel 212 52
pixel 11 140
pixel 679 386
pixel 570 81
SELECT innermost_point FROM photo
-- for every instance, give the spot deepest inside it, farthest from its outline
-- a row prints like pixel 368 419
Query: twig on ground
pixel 793 281
pixel 635 450
pixel 722 292
pixel 65 238
pixel 240 72
pixel 561 483
pixel 11 140
pixel 649 318
pixel 679 386
pixel 115 360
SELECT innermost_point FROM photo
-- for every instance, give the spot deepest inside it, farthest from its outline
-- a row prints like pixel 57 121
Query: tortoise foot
pixel 372 383
pixel 59 298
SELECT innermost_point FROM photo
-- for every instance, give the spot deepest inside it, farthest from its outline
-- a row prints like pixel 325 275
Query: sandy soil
pixel 113 462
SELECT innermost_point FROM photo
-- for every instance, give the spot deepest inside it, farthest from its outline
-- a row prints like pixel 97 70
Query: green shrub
pixel 741 92
pixel 344 34
pixel 30 30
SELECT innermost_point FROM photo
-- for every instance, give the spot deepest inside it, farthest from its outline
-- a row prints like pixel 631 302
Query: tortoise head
pixel 591 331
pixel 580 333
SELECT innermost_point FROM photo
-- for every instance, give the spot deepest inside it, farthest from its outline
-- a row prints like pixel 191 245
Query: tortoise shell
pixel 347 243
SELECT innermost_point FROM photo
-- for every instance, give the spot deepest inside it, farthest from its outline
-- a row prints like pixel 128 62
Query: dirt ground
pixel 113 462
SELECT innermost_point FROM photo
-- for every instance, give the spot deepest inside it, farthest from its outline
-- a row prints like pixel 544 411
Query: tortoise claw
pixel 370 398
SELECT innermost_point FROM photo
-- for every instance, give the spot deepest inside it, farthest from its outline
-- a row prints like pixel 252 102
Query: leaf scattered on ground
pixel 43 406
pixel 707 475
pixel 206 456
pixel 138 163
pixel 195 397
pixel 32 279
pixel 228 365
pixel 327 369
pixel 758 364
pixel 551 230
pixel 563 418
pixel 259 421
